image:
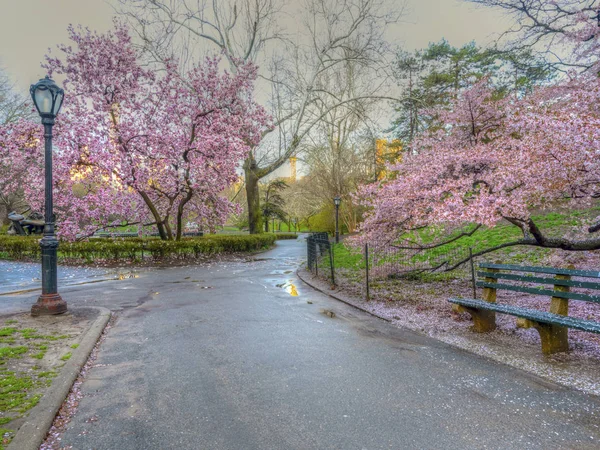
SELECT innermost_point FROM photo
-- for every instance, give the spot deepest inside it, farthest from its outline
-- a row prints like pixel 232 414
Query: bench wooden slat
pixel 541 280
pixel 550 270
pixel 551 293
pixel 531 314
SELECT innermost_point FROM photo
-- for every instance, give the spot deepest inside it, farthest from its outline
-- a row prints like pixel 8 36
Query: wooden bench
pixel 553 325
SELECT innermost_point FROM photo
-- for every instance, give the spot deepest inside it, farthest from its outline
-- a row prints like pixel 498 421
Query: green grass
pixel 47 374
pixel 5 440
pixel 33 335
pixel 14 390
pixel 12 352
pixel 7 331
pixel 29 403
pixel 348 258
pixel 74 346
pixel 11 321
pixel 66 356
pixel 39 355
pixel 552 224
pixel 19 391
pixel 28 333
pixel 230 228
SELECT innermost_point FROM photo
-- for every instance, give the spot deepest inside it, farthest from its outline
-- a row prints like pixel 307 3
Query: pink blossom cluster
pixel 493 159
pixel 134 144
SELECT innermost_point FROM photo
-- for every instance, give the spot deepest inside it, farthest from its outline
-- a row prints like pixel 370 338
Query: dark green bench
pixel 553 325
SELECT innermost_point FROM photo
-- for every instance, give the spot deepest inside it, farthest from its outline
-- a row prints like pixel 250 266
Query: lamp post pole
pixel 337 202
pixel 50 302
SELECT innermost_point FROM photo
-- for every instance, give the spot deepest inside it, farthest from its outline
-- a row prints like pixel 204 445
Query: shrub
pixel 135 249
pixel 324 221
pixel 283 236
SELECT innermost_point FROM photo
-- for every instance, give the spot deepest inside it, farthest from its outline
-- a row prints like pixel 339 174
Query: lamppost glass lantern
pixel 48 98
pixel 337 201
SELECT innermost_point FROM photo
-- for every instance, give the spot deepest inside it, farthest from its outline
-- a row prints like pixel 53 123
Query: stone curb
pixel 33 432
pixel 302 274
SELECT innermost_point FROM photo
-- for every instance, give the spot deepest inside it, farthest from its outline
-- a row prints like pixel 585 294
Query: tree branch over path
pixel 334 32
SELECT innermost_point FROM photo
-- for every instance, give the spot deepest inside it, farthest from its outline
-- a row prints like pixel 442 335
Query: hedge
pixel 283 236
pixel 136 249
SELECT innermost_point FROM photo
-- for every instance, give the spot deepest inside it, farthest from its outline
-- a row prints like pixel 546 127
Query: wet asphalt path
pixel 18 276
pixel 225 357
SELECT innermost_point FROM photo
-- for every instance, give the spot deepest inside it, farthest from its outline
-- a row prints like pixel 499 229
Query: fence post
pixel 308 253
pixel 331 264
pixel 367 270
pixel 317 254
pixel 473 273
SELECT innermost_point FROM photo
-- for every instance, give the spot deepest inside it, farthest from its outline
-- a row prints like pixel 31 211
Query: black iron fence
pixel 320 256
pixel 364 268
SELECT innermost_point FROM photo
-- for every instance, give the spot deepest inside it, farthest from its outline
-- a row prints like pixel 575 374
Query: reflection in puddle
pixel 125 276
pixel 289 287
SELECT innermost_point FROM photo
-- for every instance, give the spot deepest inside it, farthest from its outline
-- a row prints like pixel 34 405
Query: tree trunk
pixel 168 229
pixel 253 196
pixel 159 223
pixel 180 211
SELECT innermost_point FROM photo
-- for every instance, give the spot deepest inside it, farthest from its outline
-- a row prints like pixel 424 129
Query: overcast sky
pixel 29 27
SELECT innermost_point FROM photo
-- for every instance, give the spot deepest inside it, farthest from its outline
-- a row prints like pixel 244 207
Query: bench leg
pixel 554 338
pixel 483 320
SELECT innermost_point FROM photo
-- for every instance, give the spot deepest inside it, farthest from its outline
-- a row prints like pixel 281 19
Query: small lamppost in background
pixel 48 98
pixel 337 200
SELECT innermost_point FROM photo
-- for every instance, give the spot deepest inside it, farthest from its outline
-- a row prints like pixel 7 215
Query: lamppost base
pixel 49 305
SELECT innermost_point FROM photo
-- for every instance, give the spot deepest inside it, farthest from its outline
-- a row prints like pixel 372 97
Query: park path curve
pixel 239 355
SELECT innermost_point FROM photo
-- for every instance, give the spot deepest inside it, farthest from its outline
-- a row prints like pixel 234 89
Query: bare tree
pixel 330 33
pixel 300 202
pixel 542 25
pixel 340 153
pixel 13 106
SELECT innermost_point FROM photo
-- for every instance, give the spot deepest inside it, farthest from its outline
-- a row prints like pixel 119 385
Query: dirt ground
pixel 32 352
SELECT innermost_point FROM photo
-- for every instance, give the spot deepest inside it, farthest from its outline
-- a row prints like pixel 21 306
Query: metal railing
pixel 320 256
pixel 369 265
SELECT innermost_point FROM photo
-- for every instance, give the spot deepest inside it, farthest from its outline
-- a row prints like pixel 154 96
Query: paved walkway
pixel 18 276
pixel 228 357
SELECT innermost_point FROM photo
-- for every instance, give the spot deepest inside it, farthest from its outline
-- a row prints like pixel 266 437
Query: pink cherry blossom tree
pixel 495 160
pixel 134 145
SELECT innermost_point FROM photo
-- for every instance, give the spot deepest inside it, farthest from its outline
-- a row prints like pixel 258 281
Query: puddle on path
pixel 282 272
pixel 289 287
pixel 126 276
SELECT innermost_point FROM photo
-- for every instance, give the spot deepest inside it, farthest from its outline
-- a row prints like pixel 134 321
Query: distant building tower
pixel 386 152
pixel 293 173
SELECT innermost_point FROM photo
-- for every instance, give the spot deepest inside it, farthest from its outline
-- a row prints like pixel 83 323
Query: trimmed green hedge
pixel 136 249
pixel 284 236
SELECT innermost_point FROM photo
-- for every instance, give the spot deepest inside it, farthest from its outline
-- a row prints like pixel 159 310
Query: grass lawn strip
pixel 32 351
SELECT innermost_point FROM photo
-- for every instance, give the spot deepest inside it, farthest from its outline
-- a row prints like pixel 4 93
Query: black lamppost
pixel 336 201
pixel 48 98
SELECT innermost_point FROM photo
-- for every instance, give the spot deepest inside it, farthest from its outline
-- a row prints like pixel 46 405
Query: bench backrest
pixel 561 282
